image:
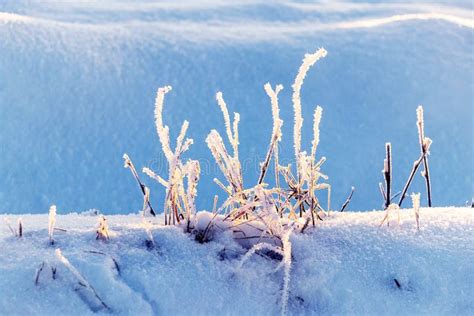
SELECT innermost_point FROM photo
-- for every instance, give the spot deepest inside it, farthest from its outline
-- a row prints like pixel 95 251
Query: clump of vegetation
pixel 102 232
pixel 425 144
pixel 262 216
pixel 15 232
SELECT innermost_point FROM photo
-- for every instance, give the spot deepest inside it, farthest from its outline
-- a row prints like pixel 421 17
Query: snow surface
pixel 78 81
pixel 347 265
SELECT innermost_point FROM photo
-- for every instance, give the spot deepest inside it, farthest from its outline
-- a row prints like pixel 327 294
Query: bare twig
pixel 347 200
pixel 20 228
pixel 38 272
pixel 396 194
pixel 416 164
pixel 387 172
pixel 306 223
pixel 116 265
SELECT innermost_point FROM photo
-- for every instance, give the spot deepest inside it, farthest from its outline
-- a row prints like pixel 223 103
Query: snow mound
pixel 348 264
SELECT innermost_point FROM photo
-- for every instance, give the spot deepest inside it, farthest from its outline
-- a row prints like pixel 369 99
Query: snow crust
pixel 348 264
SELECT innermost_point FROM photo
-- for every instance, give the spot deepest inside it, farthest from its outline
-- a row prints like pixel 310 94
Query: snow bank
pixel 346 265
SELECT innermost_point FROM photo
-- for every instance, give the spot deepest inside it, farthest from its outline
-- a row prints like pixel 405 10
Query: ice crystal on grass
pixel 103 229
pixel 308 61
pixel 51 223
pixel 415 198
pixel 177 203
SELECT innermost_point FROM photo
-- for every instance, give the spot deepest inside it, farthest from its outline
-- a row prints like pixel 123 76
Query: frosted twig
pixel 318 112
pixel 129 164
pixel 51 223
pixel 347 200
pixel 254 249
pixel 214 207
pixel 391 207
pixel 154 176
pixel 194 170
pixel 162 131
pixel 308 61
pixel 82 282
pixel 103 229
pixel 287 270
pixel 425 143
pixel 235 128
pixel 225 113
pixel 382 191
pixel 276 132
pixel 146 200
pixel 415 198
pixel 416 164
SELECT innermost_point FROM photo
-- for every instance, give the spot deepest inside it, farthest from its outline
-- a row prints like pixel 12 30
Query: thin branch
pixel 382 191
pixel 38 272
pixel 347 200
pixel 425 143
pixel 129 164
pixel 416 164
pixel 387 171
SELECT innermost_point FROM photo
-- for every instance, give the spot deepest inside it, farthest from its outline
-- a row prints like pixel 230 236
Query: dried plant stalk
pixel 387 172
pixel 129 164
pixel 415 198
pixel 425 143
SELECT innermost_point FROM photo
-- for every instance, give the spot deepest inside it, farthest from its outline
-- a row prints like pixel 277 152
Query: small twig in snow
pixel 82 282
pixel 13 231
pixel 347 200
pixel 416 164
pixel 20 228
pixel 129 164
pixel 38 272
pixel 116 265
pixel 387 172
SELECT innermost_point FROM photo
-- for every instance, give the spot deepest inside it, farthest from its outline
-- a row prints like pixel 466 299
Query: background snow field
pixel 78 81
pixel 347 265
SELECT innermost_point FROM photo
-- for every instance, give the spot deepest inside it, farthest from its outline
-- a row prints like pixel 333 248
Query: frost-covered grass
pixel 346 265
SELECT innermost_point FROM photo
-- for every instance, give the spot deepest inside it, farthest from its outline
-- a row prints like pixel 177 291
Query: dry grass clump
pixel 102 232
pixel 293 199
pixel 262 216
pixel 425 144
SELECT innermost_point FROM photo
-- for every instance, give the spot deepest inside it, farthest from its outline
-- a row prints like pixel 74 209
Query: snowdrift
pixel 348 264
pixel 77 82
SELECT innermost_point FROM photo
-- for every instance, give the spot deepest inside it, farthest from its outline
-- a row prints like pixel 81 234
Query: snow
pixel 78 80
pixel 348 264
